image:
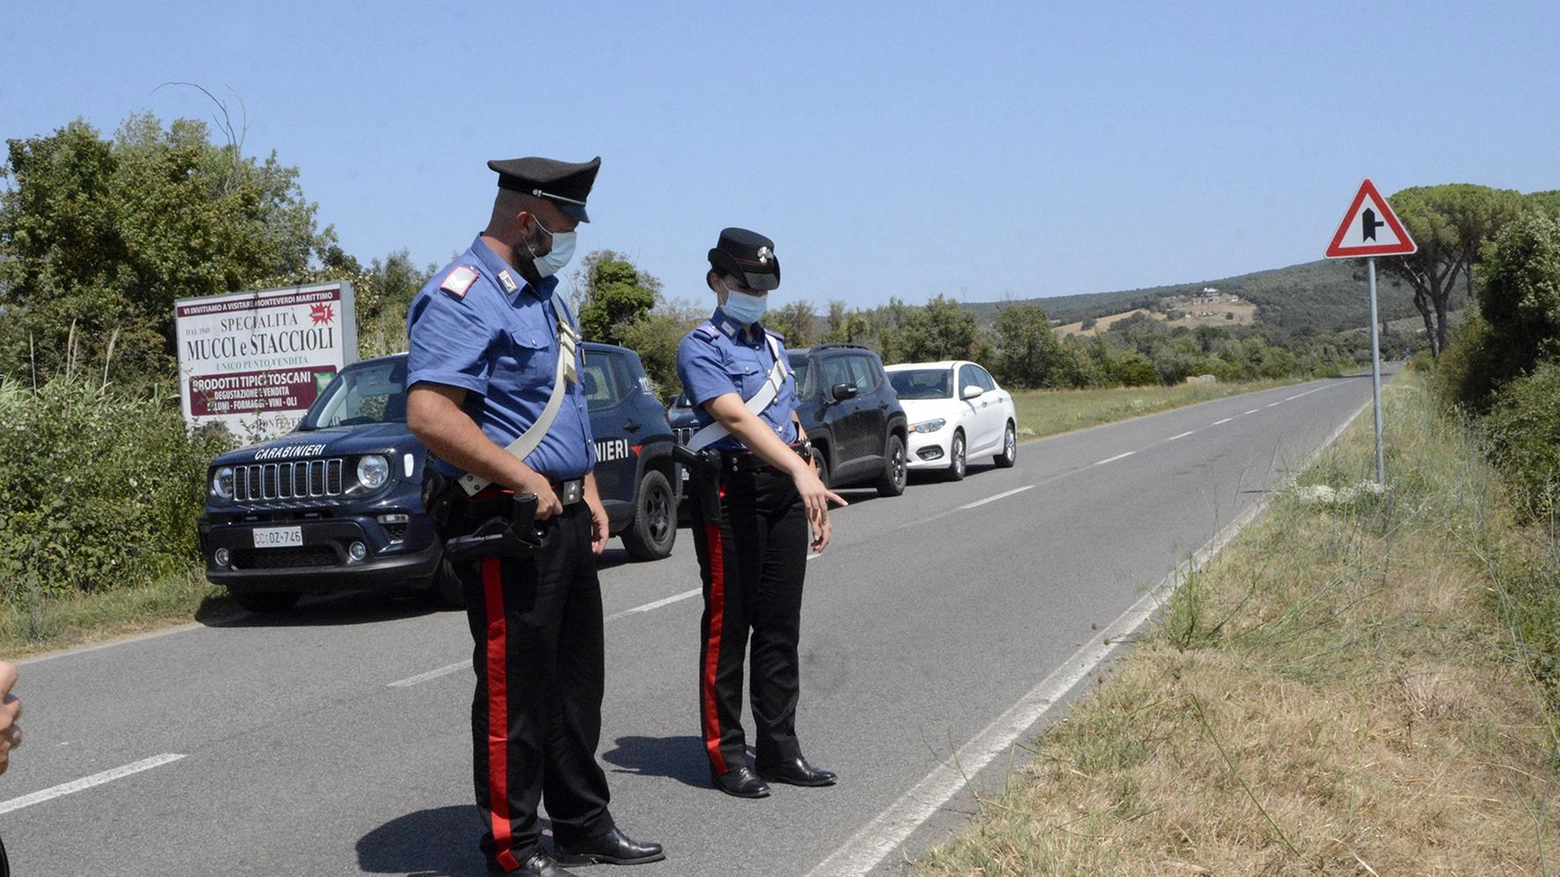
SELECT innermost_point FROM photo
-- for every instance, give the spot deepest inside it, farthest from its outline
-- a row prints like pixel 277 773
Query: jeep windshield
pixel 372 392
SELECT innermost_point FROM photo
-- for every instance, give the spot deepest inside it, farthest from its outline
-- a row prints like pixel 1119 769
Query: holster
pixel 704 475
pixel 499 535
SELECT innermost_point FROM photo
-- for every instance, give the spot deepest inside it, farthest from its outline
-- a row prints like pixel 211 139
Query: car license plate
pixel 278 537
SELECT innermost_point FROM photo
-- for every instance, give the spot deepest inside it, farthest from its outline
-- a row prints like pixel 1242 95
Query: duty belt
pixel 569 492
pixel 747 461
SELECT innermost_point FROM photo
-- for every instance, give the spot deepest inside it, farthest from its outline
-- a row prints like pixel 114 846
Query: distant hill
pixel 1324 295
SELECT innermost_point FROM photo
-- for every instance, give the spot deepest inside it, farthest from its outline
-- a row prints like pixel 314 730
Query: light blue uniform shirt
pixel 717 358
pixel 480 326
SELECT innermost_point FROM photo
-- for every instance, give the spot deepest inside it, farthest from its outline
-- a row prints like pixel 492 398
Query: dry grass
pixel 1329 696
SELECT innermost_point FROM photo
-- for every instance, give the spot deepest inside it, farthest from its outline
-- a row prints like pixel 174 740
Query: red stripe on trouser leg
pixel 498 713
pixel 712 646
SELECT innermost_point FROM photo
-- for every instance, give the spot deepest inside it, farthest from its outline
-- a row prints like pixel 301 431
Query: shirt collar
pixel 498 268
pixel 732 329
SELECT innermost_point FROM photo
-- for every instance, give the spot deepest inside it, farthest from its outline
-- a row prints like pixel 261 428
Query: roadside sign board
pixel 255 361
pixel 1370 228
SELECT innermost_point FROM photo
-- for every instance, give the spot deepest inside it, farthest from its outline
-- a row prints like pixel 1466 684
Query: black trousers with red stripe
pixel 536 716
pixel 752 563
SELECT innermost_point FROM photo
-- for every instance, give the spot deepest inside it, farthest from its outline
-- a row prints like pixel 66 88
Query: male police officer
pixel 752 542
pixel 494 362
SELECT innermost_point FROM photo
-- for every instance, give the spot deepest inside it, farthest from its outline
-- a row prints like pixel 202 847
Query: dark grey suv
pixel 852 416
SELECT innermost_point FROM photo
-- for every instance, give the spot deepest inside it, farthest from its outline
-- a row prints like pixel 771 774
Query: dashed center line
pixel 1003 495
pixel 431 674
pixel 1253 411
pixel 1113 459
pixel 1225 420
pixel 655 605
pixel 1181 436
pixel 96 779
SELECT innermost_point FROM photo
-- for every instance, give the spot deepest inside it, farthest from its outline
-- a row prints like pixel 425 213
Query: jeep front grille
pixel 293 479
pixel 684 434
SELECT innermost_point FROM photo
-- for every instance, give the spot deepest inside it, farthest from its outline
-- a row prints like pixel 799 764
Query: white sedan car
pixel 956 411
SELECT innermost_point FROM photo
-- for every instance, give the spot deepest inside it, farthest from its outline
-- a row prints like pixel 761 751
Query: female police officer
pixel 752 542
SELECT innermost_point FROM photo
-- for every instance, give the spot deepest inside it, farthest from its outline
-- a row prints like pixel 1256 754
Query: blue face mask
pixel 744 307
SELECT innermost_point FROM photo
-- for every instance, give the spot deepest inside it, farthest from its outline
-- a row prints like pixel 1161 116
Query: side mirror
pixel 841 392
pixel 970 391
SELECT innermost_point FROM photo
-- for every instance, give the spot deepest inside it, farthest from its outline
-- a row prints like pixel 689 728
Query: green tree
pixel 612 295
pixel 795 320
pixel 1450 224
pixel 940 330
pixel 656 335
pixel 1521 300
pixel 1027 354
pixel 103 236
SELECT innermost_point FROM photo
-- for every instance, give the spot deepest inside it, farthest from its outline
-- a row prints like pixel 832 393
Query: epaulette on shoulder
pixel 708 330
pixel 458 282
pixel 778 336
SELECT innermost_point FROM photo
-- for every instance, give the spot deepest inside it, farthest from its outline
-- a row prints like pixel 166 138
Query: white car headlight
pixel 373 471
pixel 929 425
pixel 222 482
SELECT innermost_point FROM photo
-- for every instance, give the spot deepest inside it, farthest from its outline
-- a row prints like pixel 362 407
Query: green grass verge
pixel 53 623
pixel 1352 687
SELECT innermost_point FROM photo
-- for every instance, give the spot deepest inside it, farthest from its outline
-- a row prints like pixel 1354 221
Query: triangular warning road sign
pixel 1370 228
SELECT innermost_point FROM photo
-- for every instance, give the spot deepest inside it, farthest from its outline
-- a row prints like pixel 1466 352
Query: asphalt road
pixel 937 627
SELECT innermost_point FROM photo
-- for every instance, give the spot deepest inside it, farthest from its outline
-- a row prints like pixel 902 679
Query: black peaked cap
pixel 748 255
pixel 566 184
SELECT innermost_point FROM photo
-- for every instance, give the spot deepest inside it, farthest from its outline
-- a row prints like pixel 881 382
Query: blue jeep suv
pixel 336 504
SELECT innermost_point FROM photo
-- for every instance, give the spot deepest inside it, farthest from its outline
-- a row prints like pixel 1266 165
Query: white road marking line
pixel 1306 393
pixel 1002 495
pixel 1181 436
pixel 655 605
pixel 1271 404
pixel 880 837
pixel 96 779
pixel 1225 420
pixel 431 674
pixel 1112 459
pixel 1253 411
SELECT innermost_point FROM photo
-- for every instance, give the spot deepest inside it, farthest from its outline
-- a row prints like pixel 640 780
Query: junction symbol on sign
pixel 1370 228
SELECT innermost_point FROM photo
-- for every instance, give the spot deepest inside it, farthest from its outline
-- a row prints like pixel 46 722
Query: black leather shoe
pixel 539 865
pixel 613 848
pixel 797 772
pixel 741 782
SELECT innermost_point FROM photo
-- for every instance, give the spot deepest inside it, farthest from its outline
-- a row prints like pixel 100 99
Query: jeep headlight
pixel 373 471
pixel 929 425
pixel 222 482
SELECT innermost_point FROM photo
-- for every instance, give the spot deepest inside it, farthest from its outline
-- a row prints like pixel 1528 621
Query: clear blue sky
pixel 979 150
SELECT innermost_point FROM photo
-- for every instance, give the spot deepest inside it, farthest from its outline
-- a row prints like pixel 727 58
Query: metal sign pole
pixel 1375 370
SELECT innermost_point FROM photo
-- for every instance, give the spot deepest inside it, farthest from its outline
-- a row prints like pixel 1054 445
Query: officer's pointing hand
pixel 816 499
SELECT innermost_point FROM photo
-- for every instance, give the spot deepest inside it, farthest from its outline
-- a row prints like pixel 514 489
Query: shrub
pixel 1524 434
pixel 100 488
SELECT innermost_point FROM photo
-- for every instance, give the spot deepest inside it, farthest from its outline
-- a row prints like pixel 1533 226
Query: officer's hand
pixel 10 711
pixel 547 502
pixel 816 499
pixel 599 524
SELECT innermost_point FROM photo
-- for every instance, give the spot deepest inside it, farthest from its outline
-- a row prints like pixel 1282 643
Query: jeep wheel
pixel 820 461
pixel 1009 455
pixel 267 602
pixel 956 462
pixel 654 528
pixel 892 481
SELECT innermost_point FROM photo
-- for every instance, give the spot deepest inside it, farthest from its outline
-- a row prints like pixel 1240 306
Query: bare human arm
pixel 729 411
pixel 434 415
